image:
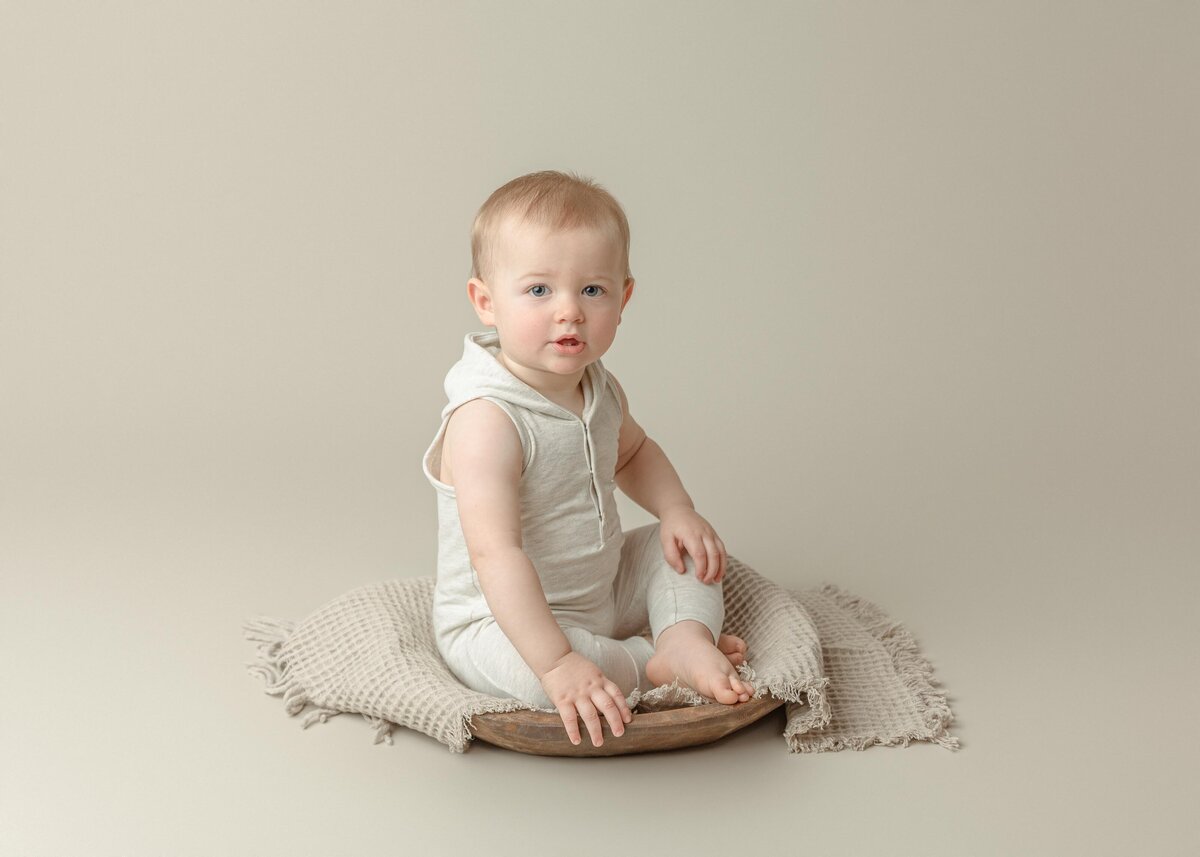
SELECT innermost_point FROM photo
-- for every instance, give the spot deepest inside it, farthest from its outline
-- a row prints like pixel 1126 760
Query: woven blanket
pixel 851 678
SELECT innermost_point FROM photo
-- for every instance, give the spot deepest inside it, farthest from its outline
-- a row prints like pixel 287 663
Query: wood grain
pixel 543 734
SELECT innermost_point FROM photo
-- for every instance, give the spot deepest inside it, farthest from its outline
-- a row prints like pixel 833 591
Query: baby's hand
pixel 681 527
pixel 578 688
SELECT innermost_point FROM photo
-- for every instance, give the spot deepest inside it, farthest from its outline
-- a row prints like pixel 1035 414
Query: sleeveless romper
pixel 604 586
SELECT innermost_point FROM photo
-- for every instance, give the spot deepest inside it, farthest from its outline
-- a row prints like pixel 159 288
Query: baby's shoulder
pixel 480 436
pixel 480 416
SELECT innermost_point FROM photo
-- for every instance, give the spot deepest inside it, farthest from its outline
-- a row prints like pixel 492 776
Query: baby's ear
pixel 481 300
pixel 628 289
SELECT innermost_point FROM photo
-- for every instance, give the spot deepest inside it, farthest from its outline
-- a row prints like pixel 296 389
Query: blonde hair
pixel 550 199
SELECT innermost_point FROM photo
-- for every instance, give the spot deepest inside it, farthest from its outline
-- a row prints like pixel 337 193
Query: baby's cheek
pixel 529 330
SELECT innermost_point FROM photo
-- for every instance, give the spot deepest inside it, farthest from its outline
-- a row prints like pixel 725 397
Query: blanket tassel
pixel 383 728
pixel 914 670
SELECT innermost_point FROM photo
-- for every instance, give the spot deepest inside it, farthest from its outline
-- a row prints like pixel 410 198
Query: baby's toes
pixel 728 644
pixel 723 692
pixel 741 687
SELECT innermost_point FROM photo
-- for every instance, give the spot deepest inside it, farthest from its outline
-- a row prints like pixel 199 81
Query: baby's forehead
pixel 526 237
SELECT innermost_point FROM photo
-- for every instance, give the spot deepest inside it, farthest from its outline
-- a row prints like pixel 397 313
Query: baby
pixel 540 595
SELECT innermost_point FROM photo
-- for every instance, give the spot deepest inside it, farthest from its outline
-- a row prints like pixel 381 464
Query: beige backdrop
pixel 916 314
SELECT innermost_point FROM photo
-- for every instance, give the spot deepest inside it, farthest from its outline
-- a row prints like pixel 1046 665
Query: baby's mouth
pixel 570 340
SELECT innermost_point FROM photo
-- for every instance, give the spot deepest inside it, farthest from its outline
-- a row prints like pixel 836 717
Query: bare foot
pixel 686 651
pixel 733 648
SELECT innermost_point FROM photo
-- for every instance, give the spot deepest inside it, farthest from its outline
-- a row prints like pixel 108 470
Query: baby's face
pixel 545 284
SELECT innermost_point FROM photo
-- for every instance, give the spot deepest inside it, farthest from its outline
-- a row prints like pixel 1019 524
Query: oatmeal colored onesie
pixel 604 586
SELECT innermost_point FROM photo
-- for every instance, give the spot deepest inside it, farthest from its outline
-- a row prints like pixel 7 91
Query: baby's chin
pixel 553 365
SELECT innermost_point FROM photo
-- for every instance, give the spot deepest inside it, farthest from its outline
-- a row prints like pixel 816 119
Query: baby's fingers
pixel 707 558
pixel 570 721
pixel 714 559
pixel 626 714
pixel 673 557
pixel 592 720
pixel 612 703
pixel 699 557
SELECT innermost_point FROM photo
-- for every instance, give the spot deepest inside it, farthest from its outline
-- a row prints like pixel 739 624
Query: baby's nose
pixel 570 311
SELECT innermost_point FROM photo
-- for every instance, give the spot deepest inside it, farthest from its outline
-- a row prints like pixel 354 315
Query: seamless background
pixel 916 314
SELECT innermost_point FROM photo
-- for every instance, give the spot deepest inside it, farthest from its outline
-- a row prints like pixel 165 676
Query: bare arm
pixel 650 480
pixel 646 476
pixel 486 452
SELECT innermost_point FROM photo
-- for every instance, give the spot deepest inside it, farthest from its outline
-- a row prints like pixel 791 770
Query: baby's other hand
pixel 683 530
pixel 578 688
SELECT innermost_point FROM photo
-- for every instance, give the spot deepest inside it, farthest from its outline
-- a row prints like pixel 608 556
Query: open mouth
pixel 569 345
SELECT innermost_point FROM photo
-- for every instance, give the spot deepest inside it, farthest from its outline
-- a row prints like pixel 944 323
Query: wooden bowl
pixel 542 733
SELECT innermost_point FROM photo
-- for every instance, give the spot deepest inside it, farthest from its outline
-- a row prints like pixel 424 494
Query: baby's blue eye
pixel 535 293
pixel 594 294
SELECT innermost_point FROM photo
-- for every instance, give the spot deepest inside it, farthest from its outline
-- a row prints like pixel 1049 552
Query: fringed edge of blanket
pixel 272 666
pixel 914 670
pixel 806 697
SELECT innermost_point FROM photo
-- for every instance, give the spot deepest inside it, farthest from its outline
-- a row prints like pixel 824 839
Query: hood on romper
pixel 479 373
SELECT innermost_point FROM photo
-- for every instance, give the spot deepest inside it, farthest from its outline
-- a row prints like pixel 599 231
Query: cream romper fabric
pixel 604 586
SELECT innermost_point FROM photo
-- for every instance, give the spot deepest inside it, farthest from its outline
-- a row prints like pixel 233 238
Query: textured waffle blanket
pixel 850 676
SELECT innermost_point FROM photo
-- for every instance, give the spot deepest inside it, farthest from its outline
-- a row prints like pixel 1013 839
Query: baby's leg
pixel 685 618
pixel 484 659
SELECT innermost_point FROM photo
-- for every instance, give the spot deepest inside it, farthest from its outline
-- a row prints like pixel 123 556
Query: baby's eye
pixel 599 291
pixel 534 290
